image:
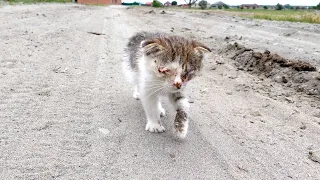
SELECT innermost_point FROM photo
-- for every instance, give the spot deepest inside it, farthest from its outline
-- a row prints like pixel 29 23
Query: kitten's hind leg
pixel 136 93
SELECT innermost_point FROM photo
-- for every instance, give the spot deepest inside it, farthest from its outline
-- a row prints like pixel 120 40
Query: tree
pixel 203 4
pixel 265 7
pixel 156 3
pixel 226 6
pixel 287 6
pixel 174 3
pixel 190 2
pixel 241 7
pixel 318 6
pixel 279 6
pixel 254 7
pixel 219 7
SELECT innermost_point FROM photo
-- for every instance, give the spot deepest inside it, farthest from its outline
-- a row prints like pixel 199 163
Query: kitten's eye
pixel 164 70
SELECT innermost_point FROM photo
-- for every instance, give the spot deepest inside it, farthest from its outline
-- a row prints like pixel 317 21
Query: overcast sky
pixel 238 2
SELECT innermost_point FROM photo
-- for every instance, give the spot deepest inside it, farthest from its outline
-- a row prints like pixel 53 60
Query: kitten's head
pixel 174 60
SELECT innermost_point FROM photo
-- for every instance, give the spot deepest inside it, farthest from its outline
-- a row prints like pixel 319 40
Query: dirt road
pixel 66 111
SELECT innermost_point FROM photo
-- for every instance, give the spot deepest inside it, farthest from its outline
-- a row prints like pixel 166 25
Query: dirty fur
pixel 160 64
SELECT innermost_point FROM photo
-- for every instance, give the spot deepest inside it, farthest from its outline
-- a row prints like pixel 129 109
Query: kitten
pixel 161 65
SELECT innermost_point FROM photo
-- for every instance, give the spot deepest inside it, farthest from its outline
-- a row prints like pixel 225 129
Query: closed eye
pixel 164 70
pixel 188 75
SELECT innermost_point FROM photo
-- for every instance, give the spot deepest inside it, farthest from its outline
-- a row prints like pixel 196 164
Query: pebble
pixel 104 131
pixel 314 156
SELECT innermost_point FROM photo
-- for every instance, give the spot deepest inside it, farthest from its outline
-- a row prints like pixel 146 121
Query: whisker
pixel 155 91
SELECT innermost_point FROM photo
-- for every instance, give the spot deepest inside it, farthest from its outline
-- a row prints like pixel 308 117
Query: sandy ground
pixel 66 111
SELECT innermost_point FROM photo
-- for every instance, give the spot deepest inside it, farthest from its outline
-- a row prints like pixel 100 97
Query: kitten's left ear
pixel 201 47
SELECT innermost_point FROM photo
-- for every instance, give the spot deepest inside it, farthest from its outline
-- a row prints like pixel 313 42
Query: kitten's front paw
pixel 155 127
pixel 181 130
pixel 181 124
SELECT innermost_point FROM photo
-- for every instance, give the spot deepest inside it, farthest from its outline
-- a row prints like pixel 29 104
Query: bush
pixel 279 6
pixel 174 3
pixel 253 7
pixel 318 6
pixel 241 7
pixel 226 6
pixel 203 4
pixel 156 3
pixel 219 7
pixel 265 7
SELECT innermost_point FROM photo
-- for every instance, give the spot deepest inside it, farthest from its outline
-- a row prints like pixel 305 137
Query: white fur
pixel 147 89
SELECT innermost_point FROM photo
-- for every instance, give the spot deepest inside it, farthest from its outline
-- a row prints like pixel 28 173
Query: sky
pixel 238 2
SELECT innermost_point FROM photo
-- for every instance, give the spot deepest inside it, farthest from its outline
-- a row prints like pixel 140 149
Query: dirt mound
pixel 151 12
pixel 301 76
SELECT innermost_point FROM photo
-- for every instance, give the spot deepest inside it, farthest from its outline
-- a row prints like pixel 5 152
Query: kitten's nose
pixel 178 85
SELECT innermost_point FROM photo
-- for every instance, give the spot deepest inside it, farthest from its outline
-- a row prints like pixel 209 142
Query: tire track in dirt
pixel 51 135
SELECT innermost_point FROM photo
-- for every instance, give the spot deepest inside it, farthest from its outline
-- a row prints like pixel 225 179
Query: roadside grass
pixel 305 16
pixel 38 1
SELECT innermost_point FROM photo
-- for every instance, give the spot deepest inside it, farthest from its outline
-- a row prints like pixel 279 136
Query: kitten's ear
pixel 152 47
pixel 201 47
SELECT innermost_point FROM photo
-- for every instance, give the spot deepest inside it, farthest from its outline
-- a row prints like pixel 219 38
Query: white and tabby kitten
pixel 159 64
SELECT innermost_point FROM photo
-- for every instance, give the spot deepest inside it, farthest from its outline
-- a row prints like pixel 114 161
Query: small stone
pixel 314 156
pixel 303 127
pixel 172 155
pixel 255 113
pixel 289 100
pixel 191 101
pixel 104 131
pixel 220 62
pixel 213 68
pixel 229 93
pixel 204 90
pixel 317 115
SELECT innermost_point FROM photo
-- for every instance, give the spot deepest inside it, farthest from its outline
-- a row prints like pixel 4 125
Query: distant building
pixel 249 6
pixel 118 2
pixel 183 5
pixel 147 4
pixel 167 4
pixel 216 4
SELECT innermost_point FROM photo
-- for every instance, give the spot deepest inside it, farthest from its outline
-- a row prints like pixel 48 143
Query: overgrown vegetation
pixel 203 4
pixel 38 1
pixel 156 3
pixel 279 6
pixel 307 16
pixel 190 2
pixel 174 3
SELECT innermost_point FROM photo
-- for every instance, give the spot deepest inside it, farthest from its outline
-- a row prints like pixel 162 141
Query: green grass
pixel 38 1
pixel 306 16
